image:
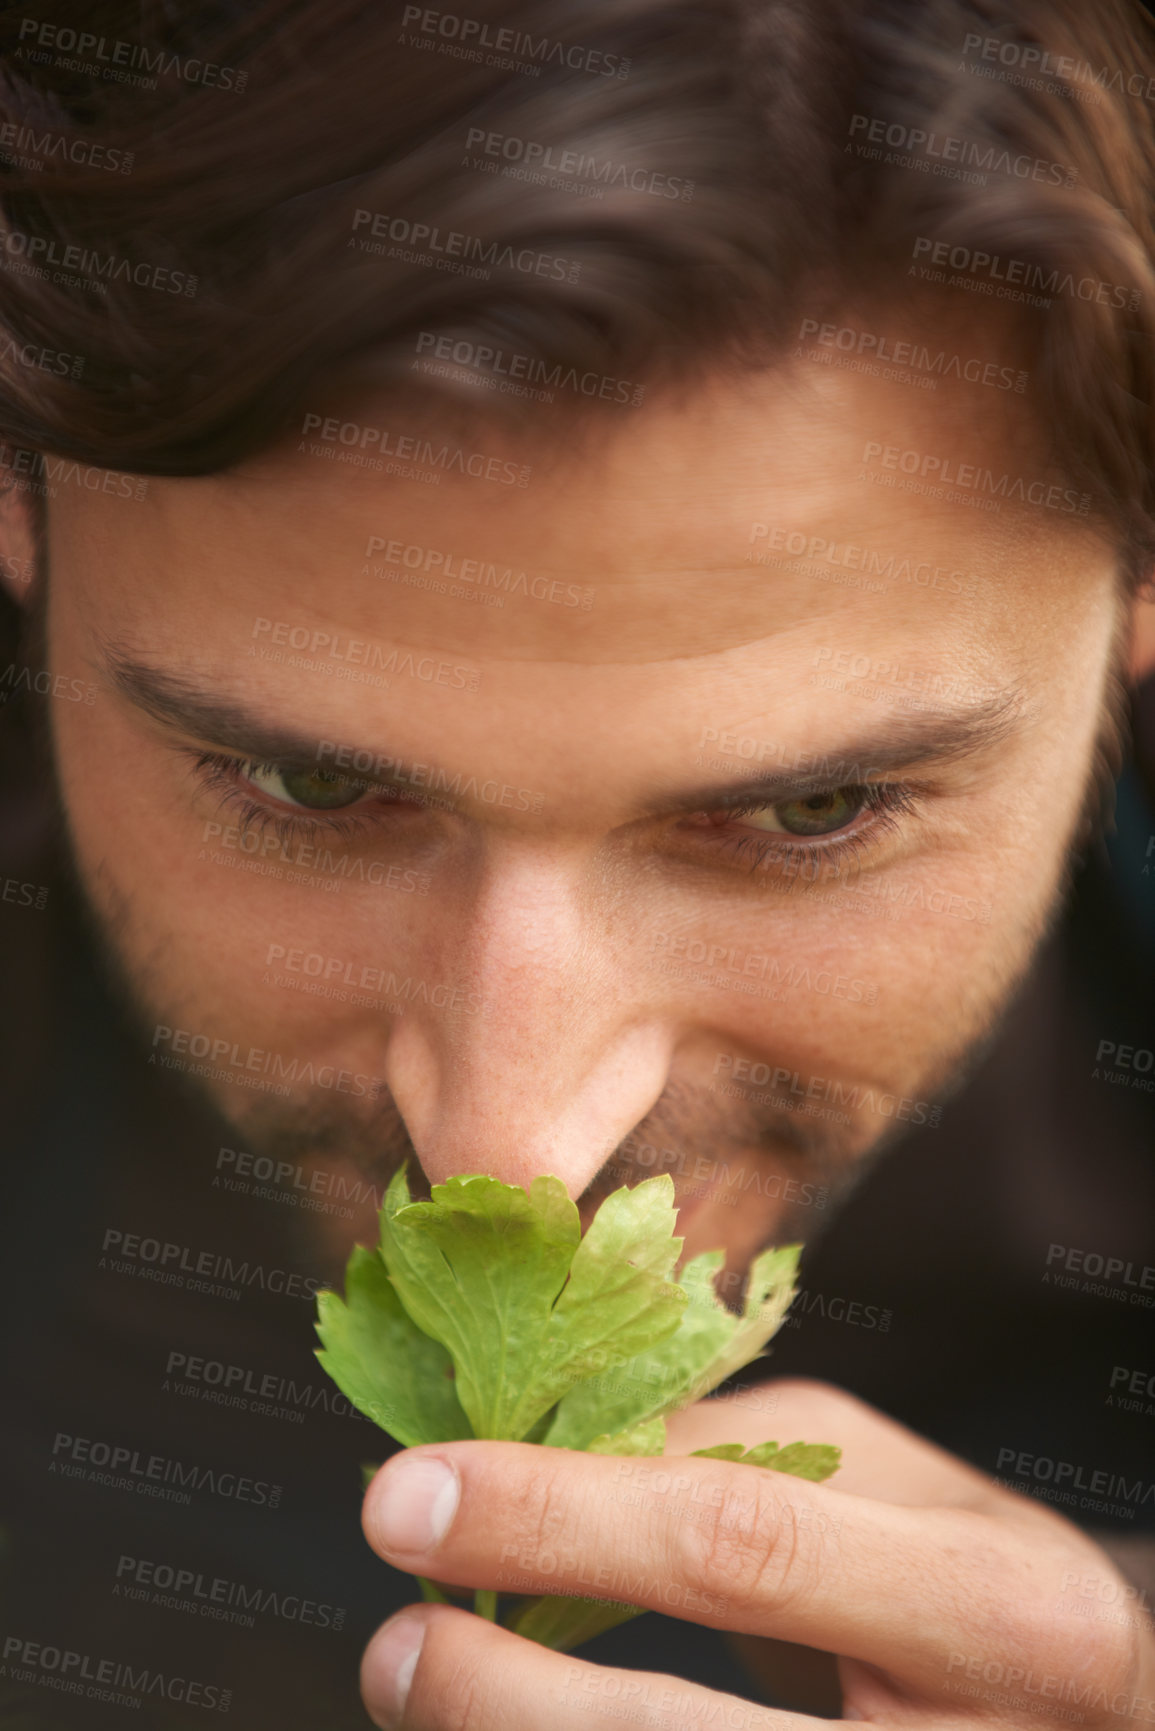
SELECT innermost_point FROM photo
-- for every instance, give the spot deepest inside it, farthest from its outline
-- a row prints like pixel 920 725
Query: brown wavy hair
pixel 181 254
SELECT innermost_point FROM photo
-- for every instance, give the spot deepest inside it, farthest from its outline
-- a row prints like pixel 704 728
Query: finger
pixel 730 1546
pixel 435 1669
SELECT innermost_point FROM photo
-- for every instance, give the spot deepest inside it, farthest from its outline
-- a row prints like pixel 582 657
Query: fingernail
pixel 415 1504
pixel 388 1668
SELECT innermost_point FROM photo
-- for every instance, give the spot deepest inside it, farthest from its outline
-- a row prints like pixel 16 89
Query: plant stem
pixel 431 1593
pixel 485 1603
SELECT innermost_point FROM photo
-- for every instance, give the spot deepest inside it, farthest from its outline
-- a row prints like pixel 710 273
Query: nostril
pixel 420 1188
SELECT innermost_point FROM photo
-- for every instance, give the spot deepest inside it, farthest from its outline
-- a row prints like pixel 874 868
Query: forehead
pixel 805 503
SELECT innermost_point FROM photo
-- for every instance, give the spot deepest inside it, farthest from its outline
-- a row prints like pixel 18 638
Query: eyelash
pixel 885 802
pixel 222 775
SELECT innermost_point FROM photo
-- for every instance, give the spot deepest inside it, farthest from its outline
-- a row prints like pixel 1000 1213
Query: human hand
pixel 941 1593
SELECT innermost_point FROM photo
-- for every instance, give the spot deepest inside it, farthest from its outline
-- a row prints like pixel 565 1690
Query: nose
pixel 554 1056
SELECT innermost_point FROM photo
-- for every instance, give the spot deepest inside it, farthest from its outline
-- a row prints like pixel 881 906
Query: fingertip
pixel 388 1665
pixel 410 1505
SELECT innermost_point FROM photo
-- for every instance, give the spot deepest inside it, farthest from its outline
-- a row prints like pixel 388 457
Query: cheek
pixel 236 934
pixel 888 978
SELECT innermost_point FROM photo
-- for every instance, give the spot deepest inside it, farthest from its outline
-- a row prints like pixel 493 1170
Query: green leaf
pixel 486 1313
pixel 710 1344
pixel 654 1381
pixel 621 1297
pixel 769 1290
pixel 382 1362
pixel 708 1329
pixel 813 1461
pixel 483 1268
pixel 647 1438
pixel 479 1267
pixel 565 1623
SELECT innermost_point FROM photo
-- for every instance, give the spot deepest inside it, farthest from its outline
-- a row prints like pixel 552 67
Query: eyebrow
pixel 946 736
pixel 180 703
pixel 904 742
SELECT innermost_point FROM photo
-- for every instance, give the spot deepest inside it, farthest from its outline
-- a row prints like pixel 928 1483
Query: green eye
pixel 314 789
pixel 815 814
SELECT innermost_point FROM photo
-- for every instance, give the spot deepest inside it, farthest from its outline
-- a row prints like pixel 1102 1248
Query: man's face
pixel 688 829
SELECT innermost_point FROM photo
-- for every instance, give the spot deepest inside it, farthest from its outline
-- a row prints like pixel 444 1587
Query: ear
pixel 1142 664
pixel 20 542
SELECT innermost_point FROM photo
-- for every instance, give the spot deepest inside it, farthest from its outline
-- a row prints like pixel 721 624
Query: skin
pixel 560 1029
